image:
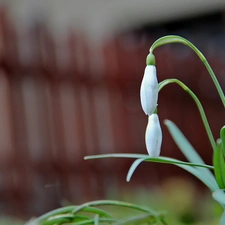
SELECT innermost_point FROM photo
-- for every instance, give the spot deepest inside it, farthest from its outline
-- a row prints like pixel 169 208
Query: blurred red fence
pixel 61 100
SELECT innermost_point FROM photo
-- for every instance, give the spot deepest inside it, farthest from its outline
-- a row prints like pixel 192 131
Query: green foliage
pixel 222 137
pixel 89 213
pixel 219 165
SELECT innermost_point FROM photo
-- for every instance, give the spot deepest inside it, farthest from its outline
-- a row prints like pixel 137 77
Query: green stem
pixel 177 39
pixel 199 105
pixel 69 209
pixel 114 203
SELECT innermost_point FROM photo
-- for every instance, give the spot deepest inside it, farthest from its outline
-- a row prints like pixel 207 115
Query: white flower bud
pixel 149 90
pixel 153 136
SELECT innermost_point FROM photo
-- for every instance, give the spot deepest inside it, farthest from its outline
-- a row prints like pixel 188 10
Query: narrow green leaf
pixel 222 137
pixel 219 166
pixel 91 221
pixel 222 220
pixel 133 167
pixel 160 159
pixel 59 219
pixel 187 149
pixel 182 142
pixel 200 175
pixel 68 209
pixel 114 203
pixel 186 166
pixel 143 219
pixel 96 219
pixel 193 170
pixel 219 196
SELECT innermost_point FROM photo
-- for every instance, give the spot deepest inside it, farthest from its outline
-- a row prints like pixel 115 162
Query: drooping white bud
pixel 153 136
pixel 149 90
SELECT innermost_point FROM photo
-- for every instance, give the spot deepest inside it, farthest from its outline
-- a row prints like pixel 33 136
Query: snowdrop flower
pixel 149 87
pixel 153 136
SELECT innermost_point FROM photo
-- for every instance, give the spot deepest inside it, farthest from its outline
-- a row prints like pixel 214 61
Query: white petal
pixel 149 90
pixel 153 136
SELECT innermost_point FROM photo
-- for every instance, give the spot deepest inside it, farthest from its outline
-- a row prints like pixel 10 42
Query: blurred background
pixel 70 73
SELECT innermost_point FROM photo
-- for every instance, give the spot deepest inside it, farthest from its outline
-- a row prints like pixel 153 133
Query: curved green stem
pixel 68 210
pixel 177 39
pixel 114 203
pixel 199 105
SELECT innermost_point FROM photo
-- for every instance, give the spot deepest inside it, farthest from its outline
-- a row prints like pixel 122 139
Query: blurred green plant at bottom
pixel 184 203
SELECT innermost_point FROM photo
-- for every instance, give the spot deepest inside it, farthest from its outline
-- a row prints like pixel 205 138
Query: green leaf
pixel 160 159
pixel 190 167
pixel 114 203
pixel 59 219
pixel 222 220
pixel 182 142
pixel 187 149
pixel 193 170
pixel 219 196
pixel 222 137
pixel 96 219
pixel 143 219
pixel 92 221
pixel 219 166
pixel 200 175
pixel 133 167
pixel 68 209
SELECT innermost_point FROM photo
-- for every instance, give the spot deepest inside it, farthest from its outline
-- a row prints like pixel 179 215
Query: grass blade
pixel 160 159
pixel 114 203
pixel 219 196
pixel 186 148
pixel 219 166
pixel 222 220
pixel 96 219
pixel 222 137
pixel 133 167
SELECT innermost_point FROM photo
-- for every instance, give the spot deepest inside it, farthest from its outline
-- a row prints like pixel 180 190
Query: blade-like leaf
pixel 68 209
pixel 92 221
pixel 114 203
pixel 219 196
pixel 59 219
pixel 96 219
pixel 160 159
pixel 201 176
pixel 193 170
pixel 222 137
pixel 143 219
pixel 219 166
pixel 133 167
pixel 186 148
pixel 190 167
pixel 182 142
pixel 222 220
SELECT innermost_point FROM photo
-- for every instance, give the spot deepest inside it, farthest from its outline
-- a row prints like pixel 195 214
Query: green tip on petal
pixel 150 60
